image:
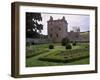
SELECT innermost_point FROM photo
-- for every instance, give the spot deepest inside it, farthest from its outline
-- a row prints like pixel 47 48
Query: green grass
pixel 66 56
pixel 42 51
pixel 36 50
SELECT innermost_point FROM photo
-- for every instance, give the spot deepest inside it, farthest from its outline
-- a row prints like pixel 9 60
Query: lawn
pixel 41 55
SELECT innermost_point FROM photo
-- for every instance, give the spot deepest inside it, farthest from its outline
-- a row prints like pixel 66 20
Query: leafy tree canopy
pixel 33 24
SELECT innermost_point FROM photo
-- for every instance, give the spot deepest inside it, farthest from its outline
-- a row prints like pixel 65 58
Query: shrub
pixel 53 59
pixel 51 46
pixel 33 53
pixel 87 46
pixel 65 41
pixel 33 43
pixel 68 46
pixel 28 43
pixel 74 43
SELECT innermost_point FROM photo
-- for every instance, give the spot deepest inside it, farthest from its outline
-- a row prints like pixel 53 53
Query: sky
pixel 82 21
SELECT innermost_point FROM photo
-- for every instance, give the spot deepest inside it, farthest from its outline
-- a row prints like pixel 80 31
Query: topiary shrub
pixel 28 43
pixel 51 46
pixel 33 43
pixel 65 41
pixel 74 43
pixel 68 46
pixel 87 46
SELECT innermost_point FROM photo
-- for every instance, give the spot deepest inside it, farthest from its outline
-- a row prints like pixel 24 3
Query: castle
pixel 58 29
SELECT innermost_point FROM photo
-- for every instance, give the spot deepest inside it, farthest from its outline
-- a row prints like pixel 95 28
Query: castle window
pixel 77 36
pixel 59 29
pixel 50 35
pixel 51 29
pixel 57 35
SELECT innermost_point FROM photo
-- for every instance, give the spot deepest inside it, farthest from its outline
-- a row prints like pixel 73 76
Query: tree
pixel 68 46
pixel 74 43
pixel 33 25
pixel 65 41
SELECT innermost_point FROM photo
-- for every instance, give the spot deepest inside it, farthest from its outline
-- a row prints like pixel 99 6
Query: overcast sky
pixel 82 21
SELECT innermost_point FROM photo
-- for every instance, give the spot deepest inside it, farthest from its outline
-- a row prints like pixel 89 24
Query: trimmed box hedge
pixel 66 56
pixel 35 53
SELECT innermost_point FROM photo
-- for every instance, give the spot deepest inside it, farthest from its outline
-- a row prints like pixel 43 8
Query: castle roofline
pixel 58 20
pixel 51 19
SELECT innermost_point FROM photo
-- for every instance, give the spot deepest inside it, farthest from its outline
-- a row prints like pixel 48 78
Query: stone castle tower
pixel 57 29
